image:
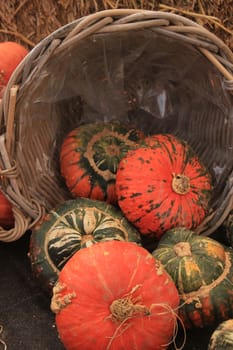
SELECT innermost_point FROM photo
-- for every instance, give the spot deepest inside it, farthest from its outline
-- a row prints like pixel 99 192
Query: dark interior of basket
pixel 158 84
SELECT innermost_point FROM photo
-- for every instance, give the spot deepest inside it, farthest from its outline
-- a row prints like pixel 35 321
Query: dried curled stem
pixel 129 307
pixel 1 340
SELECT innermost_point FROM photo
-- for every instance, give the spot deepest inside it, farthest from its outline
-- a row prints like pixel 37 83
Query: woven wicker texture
pixel 115 64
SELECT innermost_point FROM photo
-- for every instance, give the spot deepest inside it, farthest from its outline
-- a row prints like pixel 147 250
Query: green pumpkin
pixel 222 337
pixel 202 270
pixel 73 225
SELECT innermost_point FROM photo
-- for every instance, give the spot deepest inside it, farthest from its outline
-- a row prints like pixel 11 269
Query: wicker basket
pixel 106 64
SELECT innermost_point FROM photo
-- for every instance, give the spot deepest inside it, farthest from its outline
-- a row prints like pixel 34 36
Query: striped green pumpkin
pixel 202 270
pixel 73 225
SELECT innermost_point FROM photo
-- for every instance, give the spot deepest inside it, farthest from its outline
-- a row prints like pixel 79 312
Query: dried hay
pixel 28 22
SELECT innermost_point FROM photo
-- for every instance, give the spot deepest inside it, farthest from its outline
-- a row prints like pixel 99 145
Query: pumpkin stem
pixel 87 238
pixel 182 249
pixel 124 308
pixel 110 150
pixel 180 183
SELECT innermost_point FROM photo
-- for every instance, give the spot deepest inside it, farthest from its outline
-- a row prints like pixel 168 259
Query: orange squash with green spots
pixel 163 184
pixel 90 155
pixel 202 271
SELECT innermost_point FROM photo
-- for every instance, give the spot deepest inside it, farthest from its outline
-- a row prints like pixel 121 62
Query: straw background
pixel 29 21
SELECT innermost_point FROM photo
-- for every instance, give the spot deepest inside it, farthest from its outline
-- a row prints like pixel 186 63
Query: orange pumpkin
pixel 112 295
pixel 163 184
pixel 11 54
pixel 6 213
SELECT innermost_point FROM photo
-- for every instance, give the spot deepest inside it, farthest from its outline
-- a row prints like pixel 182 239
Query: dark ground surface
pixel 28 323
pixel 25 315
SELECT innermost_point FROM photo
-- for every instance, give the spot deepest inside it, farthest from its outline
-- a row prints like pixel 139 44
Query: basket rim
pixel 223 59
pixel 106 21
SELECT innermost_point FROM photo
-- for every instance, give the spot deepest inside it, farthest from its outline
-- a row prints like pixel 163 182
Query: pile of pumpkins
pixel 108 289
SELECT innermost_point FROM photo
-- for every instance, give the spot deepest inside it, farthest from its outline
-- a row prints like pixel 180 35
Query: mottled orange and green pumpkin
pixel 202 270
pixel 90 155
pixel 163 184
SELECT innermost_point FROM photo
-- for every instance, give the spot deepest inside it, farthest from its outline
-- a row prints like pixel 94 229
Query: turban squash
pixel 73 225
pixel 202 270
pixel 163 184
pixel 90 155
pixel 114 295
